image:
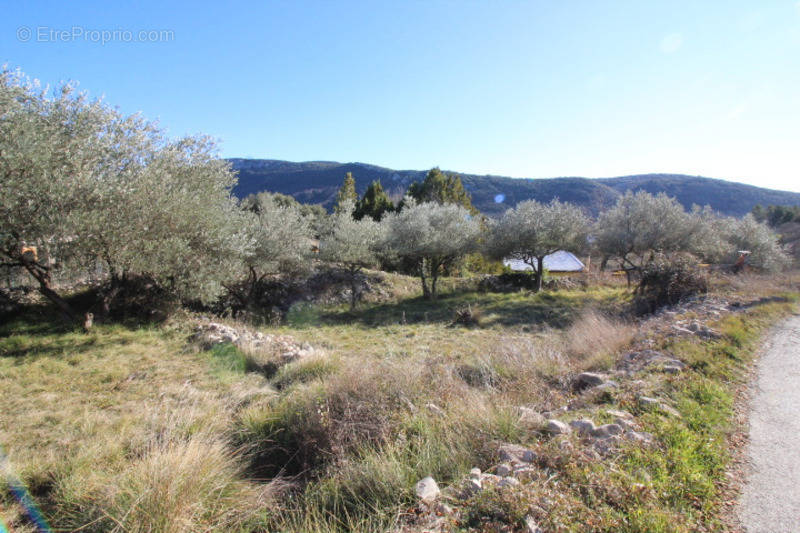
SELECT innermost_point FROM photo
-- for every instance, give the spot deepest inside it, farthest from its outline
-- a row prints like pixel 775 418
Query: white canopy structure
pixel 560 261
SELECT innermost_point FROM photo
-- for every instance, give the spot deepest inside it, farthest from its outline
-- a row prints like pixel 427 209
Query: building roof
pixel 560 261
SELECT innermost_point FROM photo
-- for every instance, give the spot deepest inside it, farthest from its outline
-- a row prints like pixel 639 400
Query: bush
pixel 468 316
pixel 667 282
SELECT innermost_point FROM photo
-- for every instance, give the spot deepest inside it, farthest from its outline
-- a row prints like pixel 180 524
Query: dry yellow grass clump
pixel 594 338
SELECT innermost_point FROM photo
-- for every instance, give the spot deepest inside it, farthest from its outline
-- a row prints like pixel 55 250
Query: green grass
pixel 125 423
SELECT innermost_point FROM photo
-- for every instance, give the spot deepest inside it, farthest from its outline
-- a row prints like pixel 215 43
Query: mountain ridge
pixel 318 181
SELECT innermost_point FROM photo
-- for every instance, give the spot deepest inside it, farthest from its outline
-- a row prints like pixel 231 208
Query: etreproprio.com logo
pixel 47 34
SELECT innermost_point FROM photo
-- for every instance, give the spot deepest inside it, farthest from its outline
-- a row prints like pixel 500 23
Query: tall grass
pixel 594 339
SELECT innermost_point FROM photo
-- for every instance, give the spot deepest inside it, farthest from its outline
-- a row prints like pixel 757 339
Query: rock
pixel 475 473
pixel 619 414
pixel 607 445
pixel 443 508
pixel 557 427
pixel 435 409
pixel 583 426
pixel 490 479
pixel 626 424
pixel 681 330
pixel 531 418
pixel 671 369
pixel 671 411
pixel 508 482
pixel 639 436
pixel 524 470
pixel 606 431
pixel 647 401
pixel 589 379
pixel 676 362
pixel 605 386
pixel 514 453
pixel 427 490
pixel 531 526
pixel 503 470
pixel 474 485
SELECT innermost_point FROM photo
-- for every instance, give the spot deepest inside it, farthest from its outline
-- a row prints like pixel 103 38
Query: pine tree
pixel 347 194
pixel 443 189
pixel 374 203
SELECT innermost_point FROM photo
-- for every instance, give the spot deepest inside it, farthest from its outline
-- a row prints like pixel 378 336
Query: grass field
pixel 131 429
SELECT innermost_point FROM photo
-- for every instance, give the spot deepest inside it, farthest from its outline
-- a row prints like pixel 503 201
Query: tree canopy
pixel 374 204
pixel 347 194
pixel 441 188
pixel 431 236
pixel 532 230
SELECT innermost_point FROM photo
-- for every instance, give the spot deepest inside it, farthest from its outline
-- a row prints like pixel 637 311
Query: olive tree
pixel 532 230
pixel 760 240
pixel 353 244
pixel 277 240
pixel 81 183
pixel 641 225
pixel 432 237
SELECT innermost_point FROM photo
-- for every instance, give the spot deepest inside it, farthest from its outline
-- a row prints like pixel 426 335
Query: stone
pixel 490 479
pixel 606 386
pixel 474 485
pixel 671 411
pixel 443 508
pixel 682 330
pixel 475 473
pixel 531 418
pixel 531 526
pixel 626 424
pixel 508 482
pixel 583 426
pixel 503 469
pixel 607 431
pixel 647 401
pixel 435 409
pixel 427 490
pixel 514 453
pixel 605 446
pixel 589 379
pixel 671 369
pixel 557 427
pixel 619 414
pixel 639 436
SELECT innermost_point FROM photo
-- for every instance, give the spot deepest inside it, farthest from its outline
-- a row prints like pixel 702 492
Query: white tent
pixel 560 261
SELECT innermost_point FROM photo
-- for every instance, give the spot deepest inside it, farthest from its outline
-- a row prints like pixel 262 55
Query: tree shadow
pixel 556 309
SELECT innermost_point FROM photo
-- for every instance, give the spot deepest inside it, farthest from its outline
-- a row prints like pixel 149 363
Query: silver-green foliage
pixel 352 244
pixel 82 182
pixel 641 224
pixel 432 237
pixel 532 230
pixel 760 240
pixel 280 237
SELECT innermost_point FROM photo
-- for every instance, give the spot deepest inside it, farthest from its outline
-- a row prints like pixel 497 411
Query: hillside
pixel 317 182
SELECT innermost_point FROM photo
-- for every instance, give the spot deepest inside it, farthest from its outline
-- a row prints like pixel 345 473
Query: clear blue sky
pixel 527 89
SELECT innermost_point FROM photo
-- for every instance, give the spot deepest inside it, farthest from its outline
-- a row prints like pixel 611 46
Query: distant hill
pixel 318 181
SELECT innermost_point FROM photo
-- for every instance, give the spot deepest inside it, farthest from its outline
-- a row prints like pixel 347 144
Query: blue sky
pixel 526 89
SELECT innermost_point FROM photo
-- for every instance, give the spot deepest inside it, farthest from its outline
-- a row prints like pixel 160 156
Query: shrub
pixel 468 316
pixel 667 282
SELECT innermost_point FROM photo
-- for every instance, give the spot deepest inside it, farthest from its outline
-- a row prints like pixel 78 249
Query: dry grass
pixel 129 430
pixel 594 339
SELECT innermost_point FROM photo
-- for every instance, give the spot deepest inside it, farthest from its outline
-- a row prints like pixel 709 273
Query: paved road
pixel 770 500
